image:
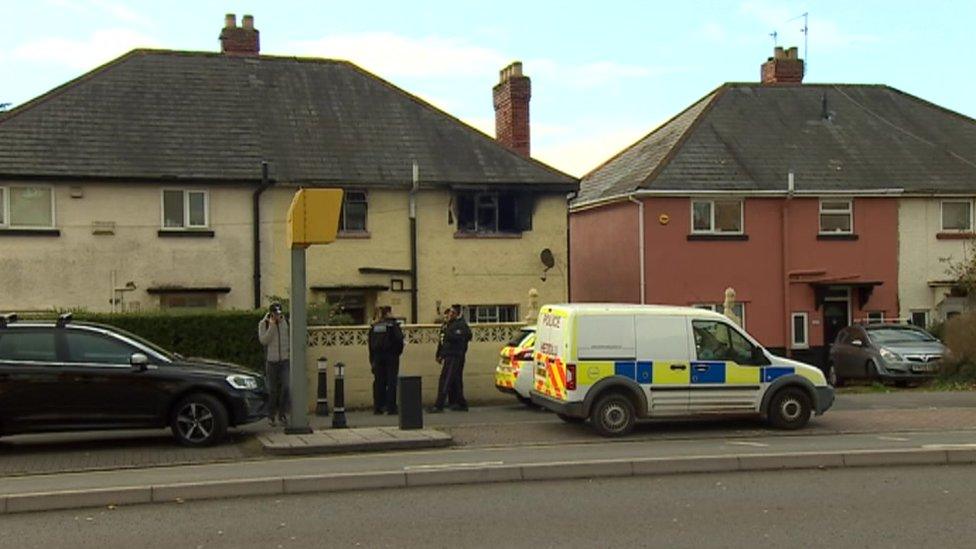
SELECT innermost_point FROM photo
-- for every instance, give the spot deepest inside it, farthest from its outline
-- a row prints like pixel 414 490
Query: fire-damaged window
pixel 494 212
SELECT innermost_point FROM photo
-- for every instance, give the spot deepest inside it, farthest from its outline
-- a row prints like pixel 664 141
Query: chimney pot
pixel 784 67
pixel 511 99
pixel 230 21
pixel 244 41
pixel 248 22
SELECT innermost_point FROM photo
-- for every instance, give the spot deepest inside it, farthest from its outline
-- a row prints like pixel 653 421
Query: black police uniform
pixel 455 336
pixel 385 348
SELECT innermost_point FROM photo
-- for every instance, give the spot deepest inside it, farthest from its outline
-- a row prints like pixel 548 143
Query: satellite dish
pixel 547 259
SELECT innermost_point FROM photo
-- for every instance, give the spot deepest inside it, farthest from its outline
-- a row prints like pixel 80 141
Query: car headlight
pixel 890 356
pixel 239 381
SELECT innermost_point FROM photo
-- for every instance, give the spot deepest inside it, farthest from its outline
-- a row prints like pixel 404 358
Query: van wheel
pixel 571 419
pixel 525 400
pixel 613 415
pixel 790 409
pixel 199 420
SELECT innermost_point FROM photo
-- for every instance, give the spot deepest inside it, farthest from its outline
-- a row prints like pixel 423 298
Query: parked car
pixel 614 364
pixel 64 376
pixel 900 353
pixel 514 375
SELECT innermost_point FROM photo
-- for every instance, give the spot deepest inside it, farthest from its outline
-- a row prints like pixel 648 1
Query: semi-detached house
pixel 140 185
pixel 819 204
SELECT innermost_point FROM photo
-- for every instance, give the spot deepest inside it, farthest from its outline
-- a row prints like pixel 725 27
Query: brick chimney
pixel 784 67
pixel 512 96
pixel 241 40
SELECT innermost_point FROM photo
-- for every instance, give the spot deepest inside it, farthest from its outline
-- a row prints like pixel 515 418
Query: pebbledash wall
pixel 686 269
pixel 348 345
pixel 105 228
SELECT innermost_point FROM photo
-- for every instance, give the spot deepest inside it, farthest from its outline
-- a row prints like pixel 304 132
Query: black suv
pixel 63 376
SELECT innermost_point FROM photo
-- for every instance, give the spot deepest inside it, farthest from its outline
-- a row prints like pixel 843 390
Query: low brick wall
pixel 348 344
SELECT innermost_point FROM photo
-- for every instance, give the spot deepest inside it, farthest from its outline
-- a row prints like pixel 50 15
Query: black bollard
pixel 322 397
pixel 339 412
pixel 411 404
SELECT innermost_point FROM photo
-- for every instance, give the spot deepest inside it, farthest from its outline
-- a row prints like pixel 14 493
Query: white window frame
pixel 711 202
pixel 5 208
pixel 942 216
pixel 720 309
pixel 925 312
pixel 849 211
pixel 878 317
pixel 186 209
pixel 472 312
pixel 704 306
pixel 794 343
pixel 344 217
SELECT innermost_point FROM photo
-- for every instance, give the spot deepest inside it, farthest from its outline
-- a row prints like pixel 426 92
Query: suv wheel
pixel 613 415
pixel 199 420
pixel 790 408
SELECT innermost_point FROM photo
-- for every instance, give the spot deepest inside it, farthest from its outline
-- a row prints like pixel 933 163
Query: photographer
pixel 273 333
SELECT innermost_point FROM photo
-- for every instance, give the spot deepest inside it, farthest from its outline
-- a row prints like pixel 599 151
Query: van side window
pixel 716 341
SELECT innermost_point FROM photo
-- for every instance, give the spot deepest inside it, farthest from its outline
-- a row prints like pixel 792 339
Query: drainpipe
pixel 569 248
pixel 787 338
pixel 640 244
pixel 413 243
pixel 265 183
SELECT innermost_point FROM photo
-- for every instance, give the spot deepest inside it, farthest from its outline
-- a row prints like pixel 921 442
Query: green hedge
pixel 230 336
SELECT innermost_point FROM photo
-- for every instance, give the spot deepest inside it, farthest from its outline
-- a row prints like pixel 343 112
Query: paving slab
pixel 368 439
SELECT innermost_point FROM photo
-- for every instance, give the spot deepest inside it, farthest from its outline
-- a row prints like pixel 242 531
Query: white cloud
pixel 787 22
pixel 582 149
pixel 394 55
pixel 101 46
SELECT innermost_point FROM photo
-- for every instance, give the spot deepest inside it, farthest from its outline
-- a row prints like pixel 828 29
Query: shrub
pixel 229 336
pixel 960 337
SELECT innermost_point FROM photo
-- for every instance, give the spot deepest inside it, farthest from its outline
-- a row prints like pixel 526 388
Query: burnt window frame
pixel 505 212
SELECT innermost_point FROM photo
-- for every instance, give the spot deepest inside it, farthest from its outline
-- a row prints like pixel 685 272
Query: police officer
pixel 455 335
pixel 385 348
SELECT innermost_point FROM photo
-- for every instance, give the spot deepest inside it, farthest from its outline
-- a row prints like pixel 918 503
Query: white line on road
pixel 947 446
pixel 894 439
pixel 452 465
pixel 747 443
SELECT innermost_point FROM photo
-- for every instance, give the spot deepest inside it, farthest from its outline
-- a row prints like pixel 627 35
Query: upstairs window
pixel 352 217
pixel 183 209
pixel 716 216
pixel 957 216
pixel 494 212
pixel 27 207
pixel 836 217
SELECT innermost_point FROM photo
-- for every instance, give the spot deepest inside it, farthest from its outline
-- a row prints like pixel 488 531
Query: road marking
pixel 893 439
pixel 747 443
pixel 452 465
pixel 948 446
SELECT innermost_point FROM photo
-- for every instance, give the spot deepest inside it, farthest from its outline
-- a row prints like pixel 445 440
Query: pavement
pixel 503 443
pixel 364 439
pixel 909 507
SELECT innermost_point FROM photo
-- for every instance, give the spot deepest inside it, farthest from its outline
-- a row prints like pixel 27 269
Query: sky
pixel 604 74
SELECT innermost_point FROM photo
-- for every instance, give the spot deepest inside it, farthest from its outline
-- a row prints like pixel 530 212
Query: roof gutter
pixel 732 192
pixel 265 183
pixel 640 246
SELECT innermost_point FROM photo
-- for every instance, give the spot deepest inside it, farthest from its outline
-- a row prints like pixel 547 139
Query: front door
pixel 835 319
pixel 723 378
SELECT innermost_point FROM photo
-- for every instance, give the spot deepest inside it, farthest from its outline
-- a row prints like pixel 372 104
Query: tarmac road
pixel 878 507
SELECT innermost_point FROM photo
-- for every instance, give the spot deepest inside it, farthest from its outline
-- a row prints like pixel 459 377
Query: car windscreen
pixel 521 337
pixel 899 335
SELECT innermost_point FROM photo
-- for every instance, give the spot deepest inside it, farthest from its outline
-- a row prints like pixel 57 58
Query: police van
pixel 614 364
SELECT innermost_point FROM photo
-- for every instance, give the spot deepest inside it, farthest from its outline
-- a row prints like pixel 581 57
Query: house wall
pixel 924 258
pixel 605 264
pixel 684 271
pixel 74 270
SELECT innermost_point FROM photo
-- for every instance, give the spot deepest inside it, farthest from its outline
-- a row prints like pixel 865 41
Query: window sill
pixel 30 232
pixel 837 236
pixel 353 234
pixel 706 237
pixel 955 236
pixel 185 233
pixel 464 235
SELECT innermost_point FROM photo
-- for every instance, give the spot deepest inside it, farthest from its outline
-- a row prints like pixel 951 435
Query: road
pixel 895 507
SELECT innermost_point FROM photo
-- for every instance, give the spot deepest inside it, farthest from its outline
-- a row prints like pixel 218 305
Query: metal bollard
pixel 339 412
pixel 411 404
pixel 322 398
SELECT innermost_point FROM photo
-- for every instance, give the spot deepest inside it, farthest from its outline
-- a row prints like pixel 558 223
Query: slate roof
pixel 747 137
pixel 156 114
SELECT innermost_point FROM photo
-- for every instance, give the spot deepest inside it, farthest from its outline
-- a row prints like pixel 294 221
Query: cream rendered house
pixel 162 180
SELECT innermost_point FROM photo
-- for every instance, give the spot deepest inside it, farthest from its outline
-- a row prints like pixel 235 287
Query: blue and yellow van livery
pixel 614 364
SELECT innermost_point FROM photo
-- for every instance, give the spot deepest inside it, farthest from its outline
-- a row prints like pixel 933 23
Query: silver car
pixel 900 353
